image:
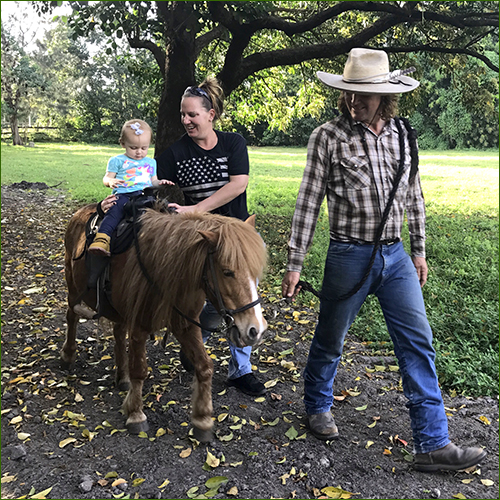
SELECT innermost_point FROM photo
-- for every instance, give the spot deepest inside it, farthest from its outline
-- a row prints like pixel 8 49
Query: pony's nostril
pixel 253 333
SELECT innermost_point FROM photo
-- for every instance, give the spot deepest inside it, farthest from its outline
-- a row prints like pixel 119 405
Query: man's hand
pixel 422 270
pixel 289 284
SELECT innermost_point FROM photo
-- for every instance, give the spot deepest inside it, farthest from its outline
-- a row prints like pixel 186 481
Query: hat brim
pixel 337 82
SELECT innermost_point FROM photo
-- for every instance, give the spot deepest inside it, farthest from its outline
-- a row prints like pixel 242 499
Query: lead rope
pixel 307 286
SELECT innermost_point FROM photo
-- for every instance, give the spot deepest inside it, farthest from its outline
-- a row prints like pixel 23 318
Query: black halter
pixel 214 290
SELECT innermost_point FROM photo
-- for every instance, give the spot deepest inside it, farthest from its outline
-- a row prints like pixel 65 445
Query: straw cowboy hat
pixel 366 71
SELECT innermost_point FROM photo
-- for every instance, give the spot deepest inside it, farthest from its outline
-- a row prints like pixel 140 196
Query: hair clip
pixel 137 128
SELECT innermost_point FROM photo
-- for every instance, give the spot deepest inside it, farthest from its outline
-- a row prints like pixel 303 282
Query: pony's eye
pixel 228 273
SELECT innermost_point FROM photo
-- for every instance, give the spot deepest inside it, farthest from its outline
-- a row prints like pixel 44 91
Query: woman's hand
pixel 180 209
pixel 108 202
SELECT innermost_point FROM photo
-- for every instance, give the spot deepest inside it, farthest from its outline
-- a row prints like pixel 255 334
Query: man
pixel 362 161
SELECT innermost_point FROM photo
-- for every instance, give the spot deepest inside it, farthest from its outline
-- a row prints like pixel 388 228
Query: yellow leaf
pixel 185 453
pixel 8 479
pixel 368 444
pixel 164 484
pixel 16 420
pixel 42 495
pixel 222 417
pixel 212 461
pixel 484 420
pixel 459 495
pixel 372 424
pixel 160 432
pixel 467 481
pixel 138 481
pixel 233 491
pixel 270 383
pixel 487 482
pixel 118 481
pixel 23 436
pixel 338 492
pixel 66 441
pixel 260 400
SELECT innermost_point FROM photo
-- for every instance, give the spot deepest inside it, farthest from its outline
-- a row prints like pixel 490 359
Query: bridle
pixel 214 290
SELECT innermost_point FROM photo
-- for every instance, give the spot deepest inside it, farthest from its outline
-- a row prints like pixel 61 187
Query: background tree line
pixel 107 62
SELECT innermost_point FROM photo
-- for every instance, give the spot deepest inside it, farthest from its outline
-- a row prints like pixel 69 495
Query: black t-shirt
pixel 200 173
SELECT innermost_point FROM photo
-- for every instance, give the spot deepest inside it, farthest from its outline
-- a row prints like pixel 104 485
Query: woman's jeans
pixel 394 281
pixel 239 364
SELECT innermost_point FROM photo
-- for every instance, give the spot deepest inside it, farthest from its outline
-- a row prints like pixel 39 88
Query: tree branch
pixel 158 52
pixel 444 50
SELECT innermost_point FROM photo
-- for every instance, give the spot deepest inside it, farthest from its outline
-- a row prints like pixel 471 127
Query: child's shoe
pixel 100 245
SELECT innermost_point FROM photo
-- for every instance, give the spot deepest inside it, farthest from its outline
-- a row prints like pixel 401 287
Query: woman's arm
pixel 236 186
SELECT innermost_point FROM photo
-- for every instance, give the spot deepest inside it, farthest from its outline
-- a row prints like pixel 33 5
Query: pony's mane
pixel 174 252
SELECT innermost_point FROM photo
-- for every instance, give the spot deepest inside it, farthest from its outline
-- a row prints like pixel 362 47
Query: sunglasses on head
pixel 199 92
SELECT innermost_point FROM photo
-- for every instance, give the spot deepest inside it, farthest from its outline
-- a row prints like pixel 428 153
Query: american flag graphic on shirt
pixel 200 178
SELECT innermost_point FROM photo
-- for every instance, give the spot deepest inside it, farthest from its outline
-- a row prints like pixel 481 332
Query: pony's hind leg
pixel 201 416
pixel 122 377
pixel 68 351
pixel 138 371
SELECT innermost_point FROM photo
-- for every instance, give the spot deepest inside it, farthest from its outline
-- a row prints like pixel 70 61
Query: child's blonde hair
pixel 136 127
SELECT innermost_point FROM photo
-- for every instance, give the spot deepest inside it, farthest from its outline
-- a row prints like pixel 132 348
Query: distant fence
pixel 31 133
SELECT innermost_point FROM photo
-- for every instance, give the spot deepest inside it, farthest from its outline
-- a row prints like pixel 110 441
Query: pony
pixel 178 261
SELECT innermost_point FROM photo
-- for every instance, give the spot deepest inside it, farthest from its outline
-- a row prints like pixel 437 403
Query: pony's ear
pixel 210 236
pixel 251 220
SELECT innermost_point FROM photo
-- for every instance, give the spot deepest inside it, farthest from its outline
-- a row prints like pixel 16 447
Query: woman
pixel 211 168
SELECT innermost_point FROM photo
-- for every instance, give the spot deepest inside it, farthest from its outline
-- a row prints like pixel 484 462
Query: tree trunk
pixel 179 73
pixel 14 127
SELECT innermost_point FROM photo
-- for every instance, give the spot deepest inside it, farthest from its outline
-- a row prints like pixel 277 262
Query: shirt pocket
pixel 356 172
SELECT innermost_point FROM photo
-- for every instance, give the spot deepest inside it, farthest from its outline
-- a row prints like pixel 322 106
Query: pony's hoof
pixel 65 365
pixel 137 427
pixel 203 436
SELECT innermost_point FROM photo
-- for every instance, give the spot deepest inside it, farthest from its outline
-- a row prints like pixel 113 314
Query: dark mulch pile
pixel 63 431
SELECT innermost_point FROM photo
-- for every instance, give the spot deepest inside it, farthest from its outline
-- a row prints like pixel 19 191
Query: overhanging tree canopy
pixel 244 38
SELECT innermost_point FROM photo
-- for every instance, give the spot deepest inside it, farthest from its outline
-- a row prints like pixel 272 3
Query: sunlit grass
pixel 462 198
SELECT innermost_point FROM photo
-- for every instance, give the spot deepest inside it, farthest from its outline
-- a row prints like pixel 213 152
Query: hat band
pixel 383 77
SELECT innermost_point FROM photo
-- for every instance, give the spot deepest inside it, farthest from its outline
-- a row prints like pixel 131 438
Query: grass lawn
pixel 461 192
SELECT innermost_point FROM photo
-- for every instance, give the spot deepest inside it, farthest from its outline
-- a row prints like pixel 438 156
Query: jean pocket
pixel 339 248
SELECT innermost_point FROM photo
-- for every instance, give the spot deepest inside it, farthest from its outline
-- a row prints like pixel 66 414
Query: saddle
pixel 98 266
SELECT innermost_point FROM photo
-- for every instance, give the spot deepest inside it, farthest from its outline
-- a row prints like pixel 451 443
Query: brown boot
pixel 100 245
pixel 451 457
pixel 322 426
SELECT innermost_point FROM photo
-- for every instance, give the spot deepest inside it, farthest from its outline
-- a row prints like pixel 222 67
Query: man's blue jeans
pixel 239 364
pixel 394 281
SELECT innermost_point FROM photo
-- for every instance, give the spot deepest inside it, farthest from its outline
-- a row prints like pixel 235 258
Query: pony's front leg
pixel 68 351
pixel 201 416
pixel 138 371
pixel 122 376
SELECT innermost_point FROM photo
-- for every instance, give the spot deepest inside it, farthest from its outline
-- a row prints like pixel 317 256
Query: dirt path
pixel 63 432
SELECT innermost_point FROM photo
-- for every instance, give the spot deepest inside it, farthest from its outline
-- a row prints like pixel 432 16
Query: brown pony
pixel 184 259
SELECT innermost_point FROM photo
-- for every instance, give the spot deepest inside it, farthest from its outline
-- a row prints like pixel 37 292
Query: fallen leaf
pixel 291 433
pixel 368 444
pixel 185 453
pixel 43 494
pixel 484 420
pixel 459 495
pixel 138 481
pixel 66 441
pixel 361 408
pixel 118 481
pixel 487 482
pixel 232 491
pixel 211 460
pixel 164 484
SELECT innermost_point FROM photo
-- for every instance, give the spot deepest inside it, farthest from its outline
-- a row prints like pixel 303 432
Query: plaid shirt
pixel 357 188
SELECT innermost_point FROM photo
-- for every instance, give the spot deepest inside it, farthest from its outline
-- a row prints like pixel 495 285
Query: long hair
pixel 174 253
pixel 388 105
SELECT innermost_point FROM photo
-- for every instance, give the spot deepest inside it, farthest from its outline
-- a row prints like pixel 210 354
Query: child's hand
pixel 114 183
pixel 165 181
